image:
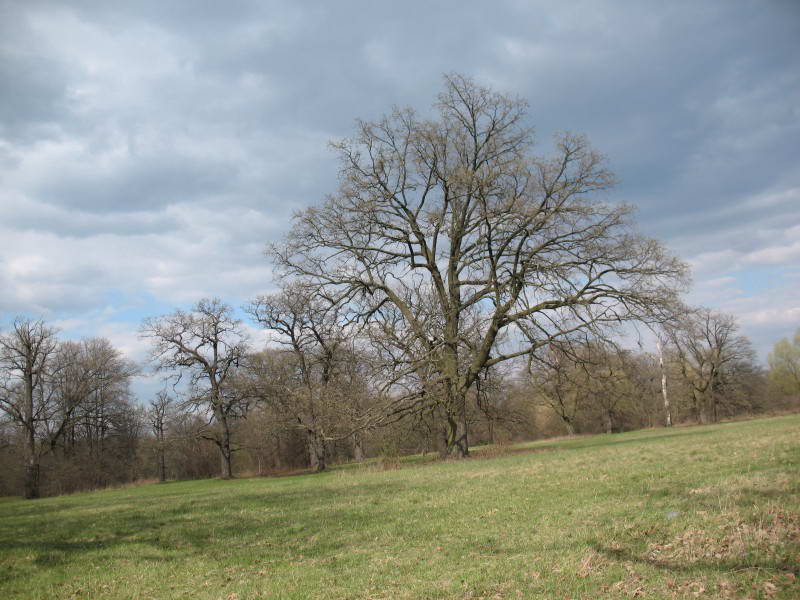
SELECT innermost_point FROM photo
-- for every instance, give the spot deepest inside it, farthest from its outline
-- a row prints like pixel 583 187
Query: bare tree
pixel 158 415
pixel 47 386
pixel 314 378
pixel 25 356
pixel 89 386
pixel 607 382
pixel 206 344
pixel 554 373
pixel 467 249
pixel 714 359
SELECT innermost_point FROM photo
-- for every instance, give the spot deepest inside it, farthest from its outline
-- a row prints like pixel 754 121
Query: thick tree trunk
pixel 456 435
pixel 316 453
pixel 225 460
pixel 609 423
pixel 702 411
pixel 456 440
pixel 697 407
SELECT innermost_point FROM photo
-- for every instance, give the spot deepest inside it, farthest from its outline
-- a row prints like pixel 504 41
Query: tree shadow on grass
pixel 771 529
pixel 275 524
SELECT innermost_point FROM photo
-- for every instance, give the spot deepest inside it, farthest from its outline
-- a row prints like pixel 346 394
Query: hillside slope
pixel 685 512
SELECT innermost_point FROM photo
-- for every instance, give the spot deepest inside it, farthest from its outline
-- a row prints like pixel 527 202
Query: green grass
pixel 686 512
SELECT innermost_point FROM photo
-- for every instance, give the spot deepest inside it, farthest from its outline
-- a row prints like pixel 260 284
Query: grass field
pixel 686 512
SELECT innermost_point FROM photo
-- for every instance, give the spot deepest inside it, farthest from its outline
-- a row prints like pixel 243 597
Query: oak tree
pixel 206 344
pixel 466 249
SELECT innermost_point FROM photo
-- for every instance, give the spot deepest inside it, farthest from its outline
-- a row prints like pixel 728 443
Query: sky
pixel 150 150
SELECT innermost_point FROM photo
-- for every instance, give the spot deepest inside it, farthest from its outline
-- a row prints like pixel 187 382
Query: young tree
pixel 784 366
pixel 468 250
pixel 207 344
pixel 158 415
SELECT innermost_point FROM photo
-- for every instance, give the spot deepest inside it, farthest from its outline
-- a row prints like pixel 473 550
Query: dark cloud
pixel 33 88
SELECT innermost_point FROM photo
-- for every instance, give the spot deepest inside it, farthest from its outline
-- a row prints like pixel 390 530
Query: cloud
pixel 150 150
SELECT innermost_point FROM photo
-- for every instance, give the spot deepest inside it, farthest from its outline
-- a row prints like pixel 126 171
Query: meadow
pixel 686 512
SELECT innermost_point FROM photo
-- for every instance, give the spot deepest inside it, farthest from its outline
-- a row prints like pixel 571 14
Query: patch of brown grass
pixel 772 540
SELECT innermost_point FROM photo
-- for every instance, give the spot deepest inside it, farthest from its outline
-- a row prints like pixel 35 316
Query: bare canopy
pixel 207 344
pixel 466 249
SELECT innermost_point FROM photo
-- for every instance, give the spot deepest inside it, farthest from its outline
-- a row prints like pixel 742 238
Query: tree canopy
pixel 465 249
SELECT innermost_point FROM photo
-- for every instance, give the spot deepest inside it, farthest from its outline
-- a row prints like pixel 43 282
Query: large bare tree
pixel 207 344
pixel 467 249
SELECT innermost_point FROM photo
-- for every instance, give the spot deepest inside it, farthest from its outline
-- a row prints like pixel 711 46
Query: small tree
pixel 784 366
pixel 158 415
pixel 207 344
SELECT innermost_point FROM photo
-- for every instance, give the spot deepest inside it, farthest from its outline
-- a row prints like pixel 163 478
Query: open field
pixel 687 512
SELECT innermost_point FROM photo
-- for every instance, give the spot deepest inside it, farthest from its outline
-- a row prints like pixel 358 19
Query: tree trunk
pixel 224 445
pixel 667 409
pixel 456 442
pixel 316 452
pixel 225 460
pixel 697 406
pixel 358 447
pixel 712 402
pixel 702 411
pixel 32 461
pixel 609 423
pixel 162 464
pixel 32 470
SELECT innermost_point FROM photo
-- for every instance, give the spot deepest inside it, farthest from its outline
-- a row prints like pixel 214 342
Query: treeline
pixel 314 401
